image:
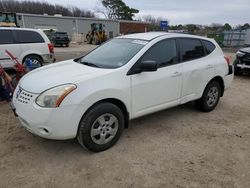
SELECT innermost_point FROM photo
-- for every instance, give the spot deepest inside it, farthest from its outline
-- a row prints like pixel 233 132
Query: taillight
pixel 230 67
pixel 228 60
pixel 51 47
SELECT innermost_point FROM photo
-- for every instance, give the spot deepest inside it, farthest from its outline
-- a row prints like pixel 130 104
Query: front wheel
pixel 95 40
pixel 210 97
pixel 101 127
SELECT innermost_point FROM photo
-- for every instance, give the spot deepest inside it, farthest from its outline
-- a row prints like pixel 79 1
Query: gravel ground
pixel 178 147
pixel 75 50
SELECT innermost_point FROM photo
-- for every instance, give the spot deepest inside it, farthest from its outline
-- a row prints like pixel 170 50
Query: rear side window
pixel 6 37
pixel 164 53
pixel 28 37
pixel 191 49
pixel 209 46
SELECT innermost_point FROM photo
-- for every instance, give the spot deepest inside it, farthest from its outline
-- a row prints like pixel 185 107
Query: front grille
pixel 23 96
pixel 246 57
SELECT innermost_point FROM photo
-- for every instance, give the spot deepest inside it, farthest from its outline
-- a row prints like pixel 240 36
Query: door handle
pixel 176 74
pixel 209 66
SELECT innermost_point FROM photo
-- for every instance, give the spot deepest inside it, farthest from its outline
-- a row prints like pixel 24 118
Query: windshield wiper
pixel 89 64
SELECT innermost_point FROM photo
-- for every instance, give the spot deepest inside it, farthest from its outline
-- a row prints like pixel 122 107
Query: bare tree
pixel 153 21
pixel 38 7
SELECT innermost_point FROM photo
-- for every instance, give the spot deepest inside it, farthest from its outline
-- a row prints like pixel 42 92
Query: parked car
pixel 242 62
pixel 93 97
pixel 60 38
pixel 25 44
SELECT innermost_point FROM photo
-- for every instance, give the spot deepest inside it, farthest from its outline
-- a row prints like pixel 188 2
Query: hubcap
pixel 104 129
pixel 34 63
pixel 212 96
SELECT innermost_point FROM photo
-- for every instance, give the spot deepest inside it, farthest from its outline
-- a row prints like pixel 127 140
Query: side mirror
pixel 148 66
pixel 143 66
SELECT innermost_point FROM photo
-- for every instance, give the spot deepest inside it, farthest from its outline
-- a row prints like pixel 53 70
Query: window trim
pixel 132 69
pixel 202 40
pixel 180 58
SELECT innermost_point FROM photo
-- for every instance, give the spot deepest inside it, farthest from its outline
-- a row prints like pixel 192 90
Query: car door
pixel 153 91
pixel 7 42
pixel 198 69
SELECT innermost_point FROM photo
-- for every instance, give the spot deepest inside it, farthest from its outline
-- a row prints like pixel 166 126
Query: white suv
pixel 93 97
pixel 23 44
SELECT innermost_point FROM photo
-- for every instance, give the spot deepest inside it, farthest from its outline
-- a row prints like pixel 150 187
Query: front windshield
pixel 114 53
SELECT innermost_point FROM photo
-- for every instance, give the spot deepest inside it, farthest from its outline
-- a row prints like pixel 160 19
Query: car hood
pixel 64 72
pixel 247 50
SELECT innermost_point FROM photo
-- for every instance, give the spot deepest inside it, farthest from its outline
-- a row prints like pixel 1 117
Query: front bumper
pixel 51 123
pixel 61 42
pixel 228 79
pixel 242 60
pixel 243 66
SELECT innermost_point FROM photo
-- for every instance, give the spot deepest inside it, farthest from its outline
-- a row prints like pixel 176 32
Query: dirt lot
pixel 179 147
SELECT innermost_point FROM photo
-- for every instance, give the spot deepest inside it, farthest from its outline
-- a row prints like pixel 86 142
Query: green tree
pixel 245 26
pixel 117 9
pixel 227 27
pixel 191 28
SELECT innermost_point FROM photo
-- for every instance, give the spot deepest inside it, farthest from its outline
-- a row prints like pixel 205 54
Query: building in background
pixel 234 38
pixel 79 25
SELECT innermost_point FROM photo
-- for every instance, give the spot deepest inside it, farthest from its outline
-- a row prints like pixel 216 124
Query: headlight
pixel 52 98
pixel 240 54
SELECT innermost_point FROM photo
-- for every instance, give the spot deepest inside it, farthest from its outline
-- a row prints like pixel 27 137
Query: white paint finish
pixel 21 50
pixel 155 90
pixel 196 75
pixel 141 93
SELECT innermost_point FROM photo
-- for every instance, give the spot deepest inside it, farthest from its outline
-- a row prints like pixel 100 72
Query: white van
pixel 25 43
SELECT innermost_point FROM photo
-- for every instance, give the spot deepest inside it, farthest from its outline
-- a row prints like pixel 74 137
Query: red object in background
pixel 20 69
pixel 6 86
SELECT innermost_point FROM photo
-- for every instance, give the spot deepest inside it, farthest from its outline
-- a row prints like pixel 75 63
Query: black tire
pixel 237 71
pixel 88 37
pixel 95 40
pixel 205 103
pixel 89 122
pixel 34 58
pixel 67 45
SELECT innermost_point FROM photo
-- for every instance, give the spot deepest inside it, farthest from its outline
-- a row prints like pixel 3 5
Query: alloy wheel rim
pixel 35 62
pixel 212 96
pixel 104 129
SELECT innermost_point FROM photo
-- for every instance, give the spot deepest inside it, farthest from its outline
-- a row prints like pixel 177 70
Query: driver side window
pixel 163 53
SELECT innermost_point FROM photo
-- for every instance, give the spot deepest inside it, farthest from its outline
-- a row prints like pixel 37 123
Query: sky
pixel 202 12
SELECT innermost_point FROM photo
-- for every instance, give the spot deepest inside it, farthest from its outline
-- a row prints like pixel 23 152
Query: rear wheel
pixel 32 62
pixel 210 97
pixel 101 127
